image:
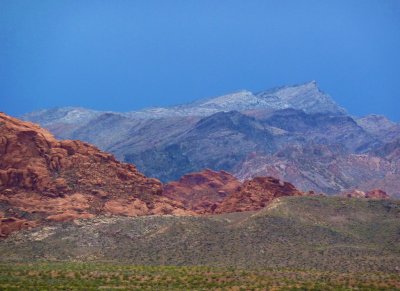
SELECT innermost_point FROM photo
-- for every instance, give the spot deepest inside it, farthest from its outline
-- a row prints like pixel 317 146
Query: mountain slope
pixel 380 127
pixel 335 131
pixel 323 233
pixel 216 142
pixel 307 97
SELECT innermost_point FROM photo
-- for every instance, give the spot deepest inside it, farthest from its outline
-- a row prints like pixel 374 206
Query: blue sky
pixel 125 55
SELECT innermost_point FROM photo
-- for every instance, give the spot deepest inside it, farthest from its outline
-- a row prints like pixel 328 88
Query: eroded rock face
pixel 42 179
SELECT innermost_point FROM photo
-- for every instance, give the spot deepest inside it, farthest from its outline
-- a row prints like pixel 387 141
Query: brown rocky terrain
pixel 320 169
pixel 42 179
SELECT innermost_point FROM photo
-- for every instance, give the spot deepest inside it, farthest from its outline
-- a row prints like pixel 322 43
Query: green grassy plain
pixel 111 276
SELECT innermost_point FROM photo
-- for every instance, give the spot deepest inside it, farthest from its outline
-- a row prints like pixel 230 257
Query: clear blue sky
pixel 125 55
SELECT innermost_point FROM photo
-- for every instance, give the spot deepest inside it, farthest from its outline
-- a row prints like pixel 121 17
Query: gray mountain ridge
pixel 307 97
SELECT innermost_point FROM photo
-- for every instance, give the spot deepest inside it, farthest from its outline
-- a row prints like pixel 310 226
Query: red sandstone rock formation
pixel 210 192
pixel 257 193
pixel 202 192
pixel 43 179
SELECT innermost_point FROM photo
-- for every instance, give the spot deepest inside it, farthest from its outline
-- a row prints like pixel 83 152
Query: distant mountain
pixel 224 140
pixel 67 115
pixel 307 97
pixel 217 142
pixel 296 133
pixel 318 168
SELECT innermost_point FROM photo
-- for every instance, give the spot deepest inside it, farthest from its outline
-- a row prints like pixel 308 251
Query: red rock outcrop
pixel 373 194
pixel 210 192
pixel 202 192
pixel 43 179
pixel 257 193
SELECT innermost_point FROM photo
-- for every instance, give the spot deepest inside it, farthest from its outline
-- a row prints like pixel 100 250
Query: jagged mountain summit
pixel 307 97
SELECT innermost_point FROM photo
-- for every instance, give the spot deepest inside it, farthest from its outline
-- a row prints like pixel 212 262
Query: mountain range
pixel 43 180
pixel 294 133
